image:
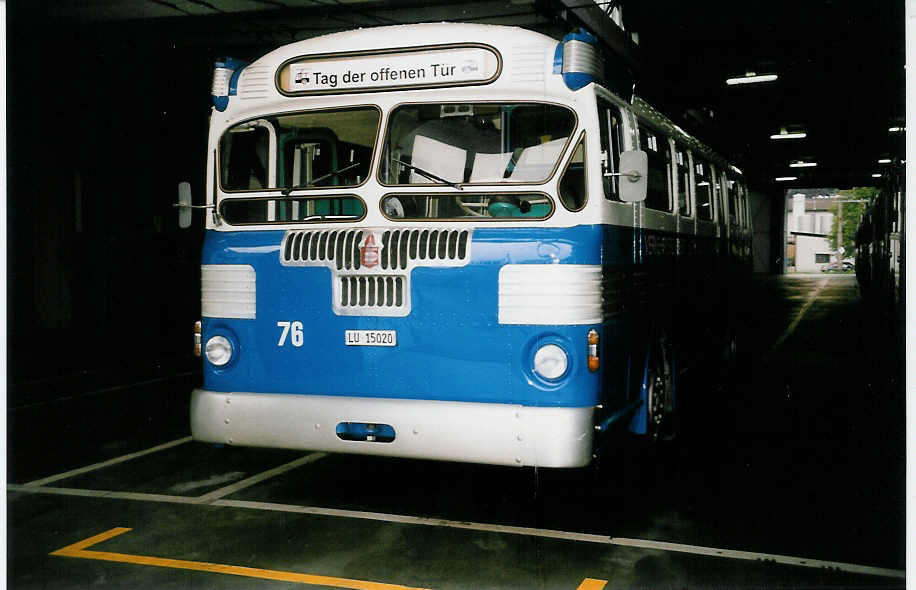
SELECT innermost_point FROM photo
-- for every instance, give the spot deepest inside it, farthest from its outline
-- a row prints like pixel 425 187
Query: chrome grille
pixel 581 57
pixel 371 291
pixel 400 248
pixel 381 286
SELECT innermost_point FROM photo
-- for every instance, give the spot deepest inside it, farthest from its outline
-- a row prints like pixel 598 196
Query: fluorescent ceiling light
pixel 897 129
pixel 751 78
pixel 884 161
pixel 802 164
pixel 785 178
pixel 876 176
pixel 735 168
pixel 793 135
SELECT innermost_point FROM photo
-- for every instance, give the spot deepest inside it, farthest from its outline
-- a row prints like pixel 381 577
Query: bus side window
pixel 739 204
pixel 745 211
pixel 244 159
pixel 702 175
pixel 659 178
pixel 717 195
pixel 683 182
pixel 609 119
pixel 572 184
pixel 731 192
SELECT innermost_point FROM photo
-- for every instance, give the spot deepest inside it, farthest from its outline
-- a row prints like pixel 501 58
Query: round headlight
pixel 550 361
pixel 219 350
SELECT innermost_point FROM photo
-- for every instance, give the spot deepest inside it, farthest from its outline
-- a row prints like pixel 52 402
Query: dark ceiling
pixel 841 78
pixel 840 62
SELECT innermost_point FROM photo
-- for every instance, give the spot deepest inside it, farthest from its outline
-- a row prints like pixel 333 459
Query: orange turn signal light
pixel 593 361
pixel 197 338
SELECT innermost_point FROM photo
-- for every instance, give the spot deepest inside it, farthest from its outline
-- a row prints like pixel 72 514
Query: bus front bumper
pixel 498 434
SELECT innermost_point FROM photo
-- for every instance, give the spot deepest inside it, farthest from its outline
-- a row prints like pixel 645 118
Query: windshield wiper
pixel 332 173
pixel 285 192
pixel 428 175
pixel 323 217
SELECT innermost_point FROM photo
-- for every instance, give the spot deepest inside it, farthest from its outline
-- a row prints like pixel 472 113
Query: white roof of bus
pixel 527 59
pixel 414 35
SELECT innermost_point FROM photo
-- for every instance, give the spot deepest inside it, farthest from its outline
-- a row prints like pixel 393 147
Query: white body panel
pixel 544 294
pixel 500 434
pixel 228 291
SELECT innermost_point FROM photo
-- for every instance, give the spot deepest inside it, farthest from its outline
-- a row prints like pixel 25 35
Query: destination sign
pixel 365 72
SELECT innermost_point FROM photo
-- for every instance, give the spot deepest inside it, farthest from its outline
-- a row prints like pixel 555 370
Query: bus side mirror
pixel 184 205
pixel 634 169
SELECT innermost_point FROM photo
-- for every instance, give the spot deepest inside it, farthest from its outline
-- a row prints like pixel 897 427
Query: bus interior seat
pixel 536 162
pixel 490 167
pixel 444 160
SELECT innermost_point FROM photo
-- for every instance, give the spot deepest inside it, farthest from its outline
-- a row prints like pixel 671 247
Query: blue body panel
pixel 450 347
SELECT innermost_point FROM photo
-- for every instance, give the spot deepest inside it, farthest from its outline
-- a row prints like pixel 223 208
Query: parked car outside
pixel 844 266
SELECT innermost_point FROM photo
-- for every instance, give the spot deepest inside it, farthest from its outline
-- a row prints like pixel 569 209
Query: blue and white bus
pixel 449 241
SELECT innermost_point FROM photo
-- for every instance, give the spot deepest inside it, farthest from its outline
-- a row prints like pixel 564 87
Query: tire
pixel 660 386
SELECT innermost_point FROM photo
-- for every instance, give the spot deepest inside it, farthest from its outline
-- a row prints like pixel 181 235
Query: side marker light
pixel 197 338
pixel 593 361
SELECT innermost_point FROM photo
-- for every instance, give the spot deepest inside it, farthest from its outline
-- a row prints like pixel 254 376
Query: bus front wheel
pixel 660 391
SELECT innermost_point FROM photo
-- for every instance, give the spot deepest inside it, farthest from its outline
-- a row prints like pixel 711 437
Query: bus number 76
pixel 294 330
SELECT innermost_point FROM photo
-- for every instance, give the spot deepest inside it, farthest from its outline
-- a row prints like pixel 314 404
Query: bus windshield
pixel 474 143
pixel 313 149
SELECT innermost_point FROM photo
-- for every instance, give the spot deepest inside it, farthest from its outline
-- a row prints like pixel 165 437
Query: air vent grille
pixel 255 82
pixel 371 267
pixel 228 291
pixel 364 292
pixel 527 64
pixel 395 249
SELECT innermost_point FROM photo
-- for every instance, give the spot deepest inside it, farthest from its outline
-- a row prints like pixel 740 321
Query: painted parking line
pixel 256 479
pixel 108 463
pixel 574 536
pixel 208 497
pixel 81 550
pixel 483 527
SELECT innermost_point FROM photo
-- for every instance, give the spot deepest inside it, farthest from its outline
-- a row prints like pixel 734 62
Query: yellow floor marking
pixel 78 550
pixel 801 313
pixel 592 584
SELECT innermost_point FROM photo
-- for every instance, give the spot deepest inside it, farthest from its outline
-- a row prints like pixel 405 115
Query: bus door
pixel 618 259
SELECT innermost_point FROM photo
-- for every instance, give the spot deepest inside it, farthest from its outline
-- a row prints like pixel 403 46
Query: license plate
pixel 371 337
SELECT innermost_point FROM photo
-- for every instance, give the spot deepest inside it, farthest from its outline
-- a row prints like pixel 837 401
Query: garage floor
pixel 791 475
